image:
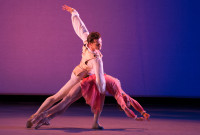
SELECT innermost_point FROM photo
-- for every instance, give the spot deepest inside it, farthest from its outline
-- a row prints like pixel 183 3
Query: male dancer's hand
pixel 67 8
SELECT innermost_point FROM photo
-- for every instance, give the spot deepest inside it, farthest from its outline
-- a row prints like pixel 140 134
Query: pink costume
pixel 92 95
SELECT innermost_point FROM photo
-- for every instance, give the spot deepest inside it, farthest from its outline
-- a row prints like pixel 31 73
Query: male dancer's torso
pixel 85 66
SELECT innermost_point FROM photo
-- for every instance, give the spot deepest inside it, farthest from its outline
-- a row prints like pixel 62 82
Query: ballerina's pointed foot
pixel 44 121
pixel 97 127
pixel 29 122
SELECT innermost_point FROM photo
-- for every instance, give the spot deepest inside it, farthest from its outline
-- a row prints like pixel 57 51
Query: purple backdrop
pixel 152 46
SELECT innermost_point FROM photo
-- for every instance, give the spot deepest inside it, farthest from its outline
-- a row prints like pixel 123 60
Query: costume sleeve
pixel 79 26
pixel 136 105
pixel 99 72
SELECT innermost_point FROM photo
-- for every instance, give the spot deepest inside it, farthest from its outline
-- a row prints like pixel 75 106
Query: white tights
pixel 60 94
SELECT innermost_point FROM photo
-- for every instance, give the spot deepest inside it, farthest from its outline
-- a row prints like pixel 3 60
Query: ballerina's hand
pixel 139 119
pixel 67 8
pixel 146 116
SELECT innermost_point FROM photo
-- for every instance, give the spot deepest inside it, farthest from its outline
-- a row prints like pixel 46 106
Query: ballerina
pixel 88 89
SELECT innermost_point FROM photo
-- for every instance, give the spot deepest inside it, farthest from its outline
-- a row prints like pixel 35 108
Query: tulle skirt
pixel 91 94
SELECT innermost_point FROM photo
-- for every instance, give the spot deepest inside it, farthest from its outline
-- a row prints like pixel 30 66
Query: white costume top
pixel 91 62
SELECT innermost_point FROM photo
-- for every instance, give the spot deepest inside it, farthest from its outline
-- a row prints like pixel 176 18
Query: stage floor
pixel 78 119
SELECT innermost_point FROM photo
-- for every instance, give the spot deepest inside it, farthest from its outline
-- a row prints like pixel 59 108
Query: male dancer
pixel 91 63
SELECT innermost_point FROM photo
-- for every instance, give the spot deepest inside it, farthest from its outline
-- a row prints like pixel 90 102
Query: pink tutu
pixel 91 94
pixel 94 98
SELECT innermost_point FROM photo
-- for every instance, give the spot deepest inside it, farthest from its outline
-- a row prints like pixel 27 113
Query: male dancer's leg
pixel 56 97
pixel 60 94
pixel 97 114
pixel 72 96
pixel 59 108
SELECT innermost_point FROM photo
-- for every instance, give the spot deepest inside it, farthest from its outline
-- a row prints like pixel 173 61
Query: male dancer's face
pixel 96 45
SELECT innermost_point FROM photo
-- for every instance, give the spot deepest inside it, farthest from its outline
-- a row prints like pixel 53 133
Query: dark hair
pixel 92 36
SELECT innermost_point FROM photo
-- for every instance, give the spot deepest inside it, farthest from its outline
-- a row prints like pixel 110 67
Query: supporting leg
pixel 97 115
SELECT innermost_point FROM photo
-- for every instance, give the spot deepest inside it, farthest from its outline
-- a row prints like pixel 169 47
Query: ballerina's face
pixel 96 45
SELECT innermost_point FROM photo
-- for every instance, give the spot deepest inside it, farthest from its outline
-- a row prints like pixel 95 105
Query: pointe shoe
pixel 29 123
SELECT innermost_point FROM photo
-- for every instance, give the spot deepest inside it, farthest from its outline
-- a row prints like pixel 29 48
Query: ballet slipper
pixel 96 126
pixel 39 117
pixel 29 123
pixel 44 121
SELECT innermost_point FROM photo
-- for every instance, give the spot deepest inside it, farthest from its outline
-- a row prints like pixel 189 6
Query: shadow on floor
pixel 79 130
